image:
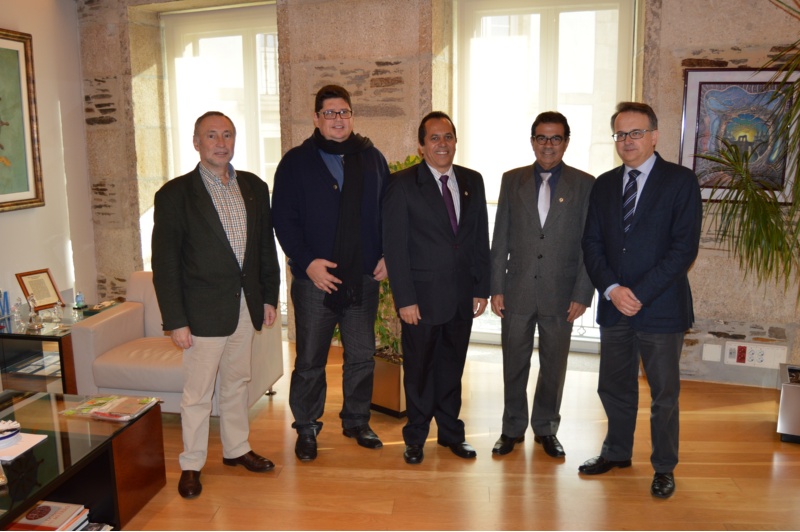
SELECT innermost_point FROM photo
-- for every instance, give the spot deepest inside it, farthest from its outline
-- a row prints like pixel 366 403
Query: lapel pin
pixel 561 200
pixel 466 193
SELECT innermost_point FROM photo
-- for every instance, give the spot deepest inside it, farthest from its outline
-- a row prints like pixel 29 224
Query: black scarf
pixel 347 247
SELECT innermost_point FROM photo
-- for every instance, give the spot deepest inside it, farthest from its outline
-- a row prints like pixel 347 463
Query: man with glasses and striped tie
pixel 641 237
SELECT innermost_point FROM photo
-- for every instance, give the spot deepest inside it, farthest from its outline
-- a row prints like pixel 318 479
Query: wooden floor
pixel 734 474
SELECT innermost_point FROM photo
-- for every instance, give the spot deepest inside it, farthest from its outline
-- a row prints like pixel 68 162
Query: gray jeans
pixel 315 324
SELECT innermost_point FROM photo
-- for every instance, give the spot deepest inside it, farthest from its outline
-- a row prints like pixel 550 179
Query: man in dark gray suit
pixel 642 236
pixel 436 242
pixel 538 279
pixel 216 276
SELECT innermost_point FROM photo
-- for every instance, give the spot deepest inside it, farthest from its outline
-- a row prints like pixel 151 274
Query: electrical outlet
pixel 755 355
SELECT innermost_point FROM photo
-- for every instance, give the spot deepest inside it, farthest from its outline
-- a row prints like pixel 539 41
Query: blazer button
pixel 624 250
pixel 541 236
pixel 540 256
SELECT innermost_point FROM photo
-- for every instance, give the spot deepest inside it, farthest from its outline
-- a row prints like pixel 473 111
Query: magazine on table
pixel 113 407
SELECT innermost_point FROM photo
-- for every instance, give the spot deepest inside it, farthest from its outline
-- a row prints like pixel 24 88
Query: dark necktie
pixel 448 202
pixel 629 200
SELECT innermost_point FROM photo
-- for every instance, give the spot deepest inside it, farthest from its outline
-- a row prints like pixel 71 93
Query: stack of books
pixel 48 515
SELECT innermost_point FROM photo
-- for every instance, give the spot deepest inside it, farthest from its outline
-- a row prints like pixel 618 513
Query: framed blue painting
pixel 742 106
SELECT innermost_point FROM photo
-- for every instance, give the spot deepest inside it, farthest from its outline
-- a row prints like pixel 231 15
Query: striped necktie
pixel 629 200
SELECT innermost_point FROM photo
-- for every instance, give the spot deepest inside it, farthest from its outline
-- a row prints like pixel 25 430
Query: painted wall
pixel 59 235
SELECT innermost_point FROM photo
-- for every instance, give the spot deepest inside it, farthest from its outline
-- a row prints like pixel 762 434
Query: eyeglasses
pixel 555 140
pixel 330 114
pixel 634 134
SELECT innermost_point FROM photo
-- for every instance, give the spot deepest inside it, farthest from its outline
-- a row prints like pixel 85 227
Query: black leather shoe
pixel 663 485
pixel 599 465
pixel 306 447
pixel 506 444
pixel 189 485
pixel 364 436
pixel 462 450
pixel 551 445
pixel 252 461
pixel 413 454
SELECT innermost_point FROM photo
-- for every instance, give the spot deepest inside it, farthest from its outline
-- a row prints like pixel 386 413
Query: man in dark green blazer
pixel 216 276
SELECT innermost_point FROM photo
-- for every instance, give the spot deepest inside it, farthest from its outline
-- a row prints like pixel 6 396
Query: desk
pixel 20 346
pixel 112 468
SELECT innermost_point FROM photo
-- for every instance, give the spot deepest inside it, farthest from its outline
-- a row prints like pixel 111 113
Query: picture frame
pixel 735 104
pixel 40 283
pixel 20 164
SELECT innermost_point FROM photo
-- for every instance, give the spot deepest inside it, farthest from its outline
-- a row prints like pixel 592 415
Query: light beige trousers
pixel 230 357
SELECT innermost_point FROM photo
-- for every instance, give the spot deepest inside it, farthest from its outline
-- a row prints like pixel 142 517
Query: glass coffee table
pixel 37 359
pixel 112 468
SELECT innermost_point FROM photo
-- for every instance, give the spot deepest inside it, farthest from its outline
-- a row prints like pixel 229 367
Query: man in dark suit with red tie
pixel 436 246
pixel 642 235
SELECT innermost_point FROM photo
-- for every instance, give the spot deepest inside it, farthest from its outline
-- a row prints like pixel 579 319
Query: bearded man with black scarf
pixel 326 209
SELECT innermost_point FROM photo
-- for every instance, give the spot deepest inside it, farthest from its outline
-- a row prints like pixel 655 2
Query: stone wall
pixel 110 142
pixel 389 78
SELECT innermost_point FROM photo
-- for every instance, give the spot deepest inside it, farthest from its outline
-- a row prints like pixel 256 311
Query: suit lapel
pixel 464 194
pixel 655 180
pixel 563 195
pixel 529 193
pixel 250 206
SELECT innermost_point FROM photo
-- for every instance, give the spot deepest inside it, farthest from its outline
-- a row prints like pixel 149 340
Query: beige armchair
pixel 123 350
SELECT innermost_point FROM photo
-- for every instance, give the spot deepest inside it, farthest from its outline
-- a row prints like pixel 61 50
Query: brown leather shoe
pixel 252 461
pixel 189 485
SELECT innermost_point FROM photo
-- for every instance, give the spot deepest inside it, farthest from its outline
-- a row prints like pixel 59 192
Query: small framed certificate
pixel 41 285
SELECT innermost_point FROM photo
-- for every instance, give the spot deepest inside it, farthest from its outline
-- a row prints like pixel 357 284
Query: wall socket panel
pixel 755 355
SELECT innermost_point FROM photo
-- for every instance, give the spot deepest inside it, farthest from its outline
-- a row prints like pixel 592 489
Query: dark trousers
pixel 517 340
pixel 620 351
pixel 315 324
pixel 433 363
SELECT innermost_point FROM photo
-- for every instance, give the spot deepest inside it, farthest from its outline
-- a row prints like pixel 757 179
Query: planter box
pixel 388 394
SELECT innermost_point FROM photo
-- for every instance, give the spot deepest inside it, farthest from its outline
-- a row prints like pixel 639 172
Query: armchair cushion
pixel 145 364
